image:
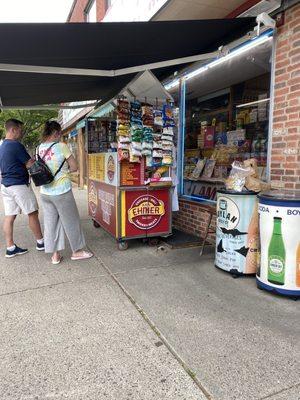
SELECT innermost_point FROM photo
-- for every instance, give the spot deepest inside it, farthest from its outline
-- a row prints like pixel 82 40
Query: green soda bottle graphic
pixel 276 255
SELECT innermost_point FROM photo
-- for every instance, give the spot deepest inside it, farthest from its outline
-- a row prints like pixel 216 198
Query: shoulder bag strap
pixel 47 151
pixel 59 169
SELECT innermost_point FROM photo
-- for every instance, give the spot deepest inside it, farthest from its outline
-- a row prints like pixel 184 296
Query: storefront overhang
pixel 58 63
pixel 144 87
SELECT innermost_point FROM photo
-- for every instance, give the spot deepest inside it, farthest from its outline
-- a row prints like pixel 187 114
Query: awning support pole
pixel 103 73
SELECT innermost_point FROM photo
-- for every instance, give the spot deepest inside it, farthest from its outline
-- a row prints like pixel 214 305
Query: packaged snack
pixel 167 160
pixel 209 168
pixel 136 146
pixel 123 146
pixel 168 131
pixel 168 116
pixel 198 169
pixel 209 134
pixel 149 161
pixel 237 177
pixel 157 153
pixel 158 117
pixel 134 159
pixel 146 152
pixel 221 138
pixel 220 172
pixel 123 154
pixel 124 139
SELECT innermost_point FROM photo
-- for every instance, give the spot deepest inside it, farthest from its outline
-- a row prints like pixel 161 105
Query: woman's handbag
pixel 40 173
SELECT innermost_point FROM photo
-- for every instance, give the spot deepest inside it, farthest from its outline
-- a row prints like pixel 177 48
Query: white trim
pixel 49 107
pixel 252 103
pixel 107 73
pixel 54 70
pixel 223 58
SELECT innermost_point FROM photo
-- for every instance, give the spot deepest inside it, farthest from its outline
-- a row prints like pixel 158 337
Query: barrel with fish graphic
pixel 237 232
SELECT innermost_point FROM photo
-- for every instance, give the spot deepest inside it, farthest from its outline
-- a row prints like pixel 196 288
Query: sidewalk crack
pixel 50 285
pixel 269 396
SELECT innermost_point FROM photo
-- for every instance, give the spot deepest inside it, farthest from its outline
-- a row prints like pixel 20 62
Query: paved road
pixel 140 324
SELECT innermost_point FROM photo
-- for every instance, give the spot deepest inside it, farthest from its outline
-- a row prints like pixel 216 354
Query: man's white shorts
pixel 18 199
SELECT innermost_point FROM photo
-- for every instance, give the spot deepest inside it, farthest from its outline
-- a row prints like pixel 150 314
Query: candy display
pixel 143 131
pixel 123 129
pixel 167 138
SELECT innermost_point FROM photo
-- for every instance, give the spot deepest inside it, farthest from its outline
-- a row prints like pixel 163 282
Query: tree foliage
pixel 33 123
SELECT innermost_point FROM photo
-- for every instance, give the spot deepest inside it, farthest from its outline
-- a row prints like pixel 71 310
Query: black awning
pixel 99 46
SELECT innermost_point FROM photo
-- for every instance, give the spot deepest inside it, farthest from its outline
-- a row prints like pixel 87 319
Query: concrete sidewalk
pixel 140 324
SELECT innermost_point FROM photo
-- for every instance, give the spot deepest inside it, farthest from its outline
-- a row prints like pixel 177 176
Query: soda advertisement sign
pixel 145 212
pixel 237 233
pixel 279 268
pixel 102 205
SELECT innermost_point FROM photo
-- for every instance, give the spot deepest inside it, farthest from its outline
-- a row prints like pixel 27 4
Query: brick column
pixel 285 157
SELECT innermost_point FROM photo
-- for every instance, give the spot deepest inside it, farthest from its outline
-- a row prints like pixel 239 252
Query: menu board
pixel 132 174
pixel 97 167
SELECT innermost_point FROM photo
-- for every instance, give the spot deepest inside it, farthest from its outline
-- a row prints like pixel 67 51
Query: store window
pixel 91 12
pixel 226 120
pixel 221 128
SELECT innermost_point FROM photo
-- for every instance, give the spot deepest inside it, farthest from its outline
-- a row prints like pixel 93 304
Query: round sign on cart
pixel 237 232
pixel 279 221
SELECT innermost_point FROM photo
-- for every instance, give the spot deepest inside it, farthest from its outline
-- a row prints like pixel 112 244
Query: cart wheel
pixel 153 242
pixel 96 225
pixel 122 246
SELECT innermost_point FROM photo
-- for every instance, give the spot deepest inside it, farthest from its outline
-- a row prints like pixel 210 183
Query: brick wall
pixel 285 158
pixel 193 218
pixel 79 7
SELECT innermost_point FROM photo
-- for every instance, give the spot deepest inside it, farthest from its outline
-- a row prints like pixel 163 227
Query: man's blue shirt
pixel 13 157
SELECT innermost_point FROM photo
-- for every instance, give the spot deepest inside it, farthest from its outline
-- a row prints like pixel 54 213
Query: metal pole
pixel 181 135
pixel 271 108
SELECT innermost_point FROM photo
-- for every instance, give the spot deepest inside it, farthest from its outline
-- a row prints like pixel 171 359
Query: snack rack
pixel 123 199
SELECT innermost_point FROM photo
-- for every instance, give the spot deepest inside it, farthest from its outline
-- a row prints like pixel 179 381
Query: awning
pixel 144 87
pixel 80 61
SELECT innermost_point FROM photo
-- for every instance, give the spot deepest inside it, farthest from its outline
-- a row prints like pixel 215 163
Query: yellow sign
pixel 97 167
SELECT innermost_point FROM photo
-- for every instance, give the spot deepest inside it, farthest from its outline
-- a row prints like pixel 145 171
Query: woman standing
pixel 60 211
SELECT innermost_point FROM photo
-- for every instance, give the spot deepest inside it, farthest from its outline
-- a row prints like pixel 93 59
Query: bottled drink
pixel 298 266
pixel 276 255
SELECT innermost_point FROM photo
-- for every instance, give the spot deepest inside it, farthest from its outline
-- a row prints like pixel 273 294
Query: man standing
pixel 18 196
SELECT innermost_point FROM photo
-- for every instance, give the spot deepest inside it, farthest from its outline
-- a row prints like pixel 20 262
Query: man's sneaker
pixel 40 247
pixel 16 252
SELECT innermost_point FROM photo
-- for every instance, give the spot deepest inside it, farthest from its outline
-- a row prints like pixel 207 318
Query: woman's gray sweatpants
pixel 61 217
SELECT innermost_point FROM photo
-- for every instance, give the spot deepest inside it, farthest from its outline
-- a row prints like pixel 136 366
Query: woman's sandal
pixel 56 262
pixel 85 255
